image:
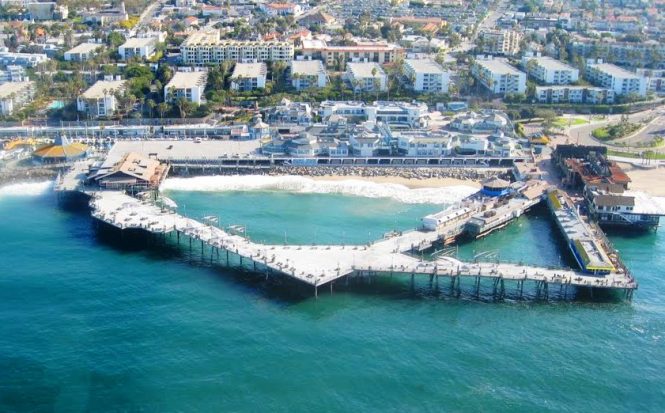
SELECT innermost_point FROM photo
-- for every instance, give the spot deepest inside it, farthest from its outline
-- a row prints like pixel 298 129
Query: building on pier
pixel 585 246
pixel 614 206
pixel 61 151
pixel 495 187
pixel 606 188
pixel 133 173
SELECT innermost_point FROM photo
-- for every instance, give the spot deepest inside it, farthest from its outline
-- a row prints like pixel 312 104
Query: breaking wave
pixel 302 185
pixel 26 189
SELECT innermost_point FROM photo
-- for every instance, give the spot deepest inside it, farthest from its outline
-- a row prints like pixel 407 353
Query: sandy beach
pixel 651 181
pixel 409 183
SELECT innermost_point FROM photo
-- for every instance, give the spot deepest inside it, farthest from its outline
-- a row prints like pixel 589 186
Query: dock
pixel 324 265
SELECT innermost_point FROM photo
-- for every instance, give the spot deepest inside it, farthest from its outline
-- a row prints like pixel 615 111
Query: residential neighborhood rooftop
pixel 424 65
pixel 248 70
pixel 182 80
pixel 102 88
pixel 307 67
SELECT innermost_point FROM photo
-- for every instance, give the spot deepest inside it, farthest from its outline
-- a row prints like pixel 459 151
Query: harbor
pixel 123 194
pixel 322 266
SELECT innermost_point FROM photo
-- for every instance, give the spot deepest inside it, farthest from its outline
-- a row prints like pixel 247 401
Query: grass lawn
pixel 564 122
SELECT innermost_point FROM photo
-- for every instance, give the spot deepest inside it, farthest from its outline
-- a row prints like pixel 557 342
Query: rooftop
pixel 139 42
pixel 103 87
pixel 9 88
pixel 499 66
pixel 307 67
pixel 550 63
pixel 85 48
pixel 183 80
pixel 211 38
pixel 251 70
pixel 614 70
pixel 424 65
pixel 364 70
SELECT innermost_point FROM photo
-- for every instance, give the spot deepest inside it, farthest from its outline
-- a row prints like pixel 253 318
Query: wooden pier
pixel 319 265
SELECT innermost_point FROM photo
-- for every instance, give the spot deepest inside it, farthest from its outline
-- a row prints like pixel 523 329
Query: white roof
pixel 249 70
pixel 364 69
pixel 307 67
pixel 614 70
pixel 211 38
pixel 498 66
pixel 550 63
pixel 139 42
pixel 183 80
pixel 96 91
pixel 85 48
pixel 424 65
pixel 6 89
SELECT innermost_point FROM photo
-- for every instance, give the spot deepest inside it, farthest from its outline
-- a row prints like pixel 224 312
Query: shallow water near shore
pixel 89 326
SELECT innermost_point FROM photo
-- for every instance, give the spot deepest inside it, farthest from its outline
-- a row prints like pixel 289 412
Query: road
pixel 489 22
pixel 149 13
pixel 582 134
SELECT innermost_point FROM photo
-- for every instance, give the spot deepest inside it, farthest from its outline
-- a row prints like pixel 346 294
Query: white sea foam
pixel 300 184
pixel 26 189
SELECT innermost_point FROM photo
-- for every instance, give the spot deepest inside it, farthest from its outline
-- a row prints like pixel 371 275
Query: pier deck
pixel 73 179
pixel 317 265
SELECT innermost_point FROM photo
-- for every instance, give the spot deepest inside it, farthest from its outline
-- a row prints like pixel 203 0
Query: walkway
pixel 323 264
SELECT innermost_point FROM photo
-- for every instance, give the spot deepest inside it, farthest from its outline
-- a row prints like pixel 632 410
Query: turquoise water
pixel 56 104
pixel 86 325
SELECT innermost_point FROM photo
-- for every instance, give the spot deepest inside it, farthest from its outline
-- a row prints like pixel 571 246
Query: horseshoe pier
pixel 396 254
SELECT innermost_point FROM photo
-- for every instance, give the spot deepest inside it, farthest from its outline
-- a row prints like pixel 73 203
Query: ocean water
pixel 89 325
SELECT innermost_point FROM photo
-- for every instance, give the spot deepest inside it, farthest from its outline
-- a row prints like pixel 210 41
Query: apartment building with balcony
pixel 188 85
pixel 205 48
pixel 99 99
pixel 426 75
pixel 549 71
pixel 621 81
pixel 498 76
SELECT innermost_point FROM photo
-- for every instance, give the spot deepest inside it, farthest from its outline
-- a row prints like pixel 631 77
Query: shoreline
pixel 411 183
pixel 648 180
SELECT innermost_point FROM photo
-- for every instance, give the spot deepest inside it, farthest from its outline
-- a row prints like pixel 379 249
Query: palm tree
pixel 162 108
pixel 151 105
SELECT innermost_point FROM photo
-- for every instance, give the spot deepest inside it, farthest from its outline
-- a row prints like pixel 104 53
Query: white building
pixel 82 52
pixel 426 75
pixel 14 95
pixel 366 76
pixel 307 74
pixel 498 76
pixel 365 143
pixel 249 76
pixel 281 9
pixel 574 94
pixel 621 81
pixel 402 114
pixel 423 143
pixel 141 47
pixel 501 42
pixel 21 59
pixel 655 79
pixel 379 52
pixel 550 71
pixel 13 73
pixel 99 99
pixel 190 85
pixel 206 47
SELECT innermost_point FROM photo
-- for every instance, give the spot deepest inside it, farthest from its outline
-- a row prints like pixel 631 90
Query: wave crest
pixel 26 189
pixel 301 184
